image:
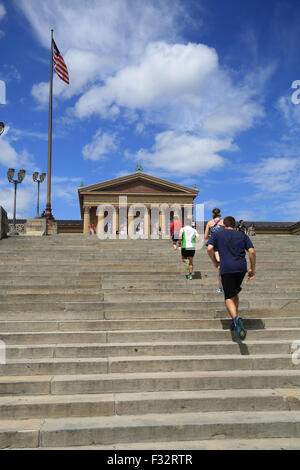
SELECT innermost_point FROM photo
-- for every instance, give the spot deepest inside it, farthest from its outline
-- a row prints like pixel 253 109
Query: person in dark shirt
pixel 232 246
pixel 242 227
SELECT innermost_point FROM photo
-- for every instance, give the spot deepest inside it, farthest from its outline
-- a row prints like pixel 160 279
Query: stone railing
pixel 20 227
pixel 295 229
pixel 3 223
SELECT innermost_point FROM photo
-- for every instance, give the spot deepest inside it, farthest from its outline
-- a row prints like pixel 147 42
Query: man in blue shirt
pixel 232 246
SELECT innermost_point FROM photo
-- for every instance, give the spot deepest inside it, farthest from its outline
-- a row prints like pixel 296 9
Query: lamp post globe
pixel 10 177
pixel 36 179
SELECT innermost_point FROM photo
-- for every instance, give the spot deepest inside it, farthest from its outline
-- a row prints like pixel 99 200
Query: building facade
pixel 136 203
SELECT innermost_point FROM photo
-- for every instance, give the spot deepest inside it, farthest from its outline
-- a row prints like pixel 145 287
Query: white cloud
pixel 291 208
pixel 180 86
pixel 164 72
pixel 127 60
pixel 25 200
pixel 290 112
pixel 275 175
pixel 120 29
pixel 97 39
pixel 128 55
pixel 2 15
pixel 2 11
pixel 100 147
pixel 11 158
pixel 84 67
pixel 184 154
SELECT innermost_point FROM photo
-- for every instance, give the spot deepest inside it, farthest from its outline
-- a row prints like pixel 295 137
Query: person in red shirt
pixel 175 227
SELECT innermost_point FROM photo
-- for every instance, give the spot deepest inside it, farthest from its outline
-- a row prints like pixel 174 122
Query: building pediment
pixel 137 183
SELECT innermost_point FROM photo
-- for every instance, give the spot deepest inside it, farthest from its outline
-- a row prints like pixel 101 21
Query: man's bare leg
pixel 232 306
pixel 191 267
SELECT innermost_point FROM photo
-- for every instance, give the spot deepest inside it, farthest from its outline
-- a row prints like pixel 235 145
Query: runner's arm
pixel 211 254
pixel 252 256
pixel 206 233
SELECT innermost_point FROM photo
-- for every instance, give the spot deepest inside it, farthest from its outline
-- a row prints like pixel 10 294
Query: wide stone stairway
pixel 108 346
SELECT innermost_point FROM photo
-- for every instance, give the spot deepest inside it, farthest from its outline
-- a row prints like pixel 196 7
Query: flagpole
pixel 48 212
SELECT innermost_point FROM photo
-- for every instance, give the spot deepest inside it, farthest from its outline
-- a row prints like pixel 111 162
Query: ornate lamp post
pixel 2 126
pixel 38 181
pixel 10 176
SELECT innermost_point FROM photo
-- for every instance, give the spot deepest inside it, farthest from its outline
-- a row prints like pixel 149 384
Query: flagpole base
pixel 48 213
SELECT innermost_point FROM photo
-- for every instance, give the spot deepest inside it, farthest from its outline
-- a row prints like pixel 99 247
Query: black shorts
pixel 232 284
pixel 186 253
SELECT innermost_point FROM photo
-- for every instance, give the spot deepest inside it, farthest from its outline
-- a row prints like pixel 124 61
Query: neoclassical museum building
pixel 134 203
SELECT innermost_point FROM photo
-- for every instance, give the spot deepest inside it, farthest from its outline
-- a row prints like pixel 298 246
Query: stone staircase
pixel 108 346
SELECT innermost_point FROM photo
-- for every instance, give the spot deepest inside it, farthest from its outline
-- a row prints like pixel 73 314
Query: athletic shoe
pixel 239 328
pixel 190 277
pixel 220 290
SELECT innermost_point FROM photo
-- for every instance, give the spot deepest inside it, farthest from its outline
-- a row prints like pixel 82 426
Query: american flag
pixel 59 65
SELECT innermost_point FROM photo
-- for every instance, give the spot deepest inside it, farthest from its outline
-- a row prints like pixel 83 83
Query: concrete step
pixel 47 298
pixel 149 363
pixel 148 382
pixel 138 325
pixel 166 349
pixel 71 291
pixel 57 406
pixel 92 311
pixel 213 444
pixel 32 332
pixel 13 309
pixel 155 427
pixel 195 295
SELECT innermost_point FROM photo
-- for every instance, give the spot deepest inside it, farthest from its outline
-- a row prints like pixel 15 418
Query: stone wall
pixel 3 223
pixel 20 227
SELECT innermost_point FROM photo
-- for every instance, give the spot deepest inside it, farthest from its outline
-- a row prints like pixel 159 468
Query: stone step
pixel 92 311
pixel 57 406
pixel 59 293
pixel 138 326
pixel 190 348
pixel 48 298
pixel 58 312
pixel 148 382
pixel 154 427
pixel 203 285
pixel 49 306
pixel 213 444
pixel 138 364
pixel 145 336
pixel 194 295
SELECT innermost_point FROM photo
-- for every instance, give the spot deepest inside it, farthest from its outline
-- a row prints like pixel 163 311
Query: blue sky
pixel 199 91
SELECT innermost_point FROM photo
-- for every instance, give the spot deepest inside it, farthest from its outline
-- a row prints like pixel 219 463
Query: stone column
pixel 114 222
pixel 130 224
pixel 117 219
pixel 163 225
pixel 100 225
pixel 146 223
pixel 86 219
